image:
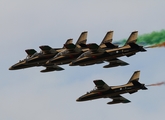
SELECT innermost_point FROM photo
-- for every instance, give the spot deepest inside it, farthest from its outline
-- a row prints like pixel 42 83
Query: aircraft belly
pixel 93 60
pixel 20 66
pixel 125 90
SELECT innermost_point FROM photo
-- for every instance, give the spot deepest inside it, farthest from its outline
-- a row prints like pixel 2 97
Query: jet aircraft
pixel 74 51
pixel 25 64
pixel 39 59
pixel 102 90
pixel 71 52
pixel 98 55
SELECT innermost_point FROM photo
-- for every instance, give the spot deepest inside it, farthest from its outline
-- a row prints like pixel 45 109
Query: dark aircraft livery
pixel 102 90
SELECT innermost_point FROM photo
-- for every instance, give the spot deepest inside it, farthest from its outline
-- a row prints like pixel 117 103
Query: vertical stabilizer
pixel 82 39
pixel 69 41
pixel 132 38
pixel 107 39
pixel 135 76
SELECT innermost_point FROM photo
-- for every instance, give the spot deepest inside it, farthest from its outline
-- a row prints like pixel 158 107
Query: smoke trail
pixel 158 45
pixel 154 39
pixel 157 84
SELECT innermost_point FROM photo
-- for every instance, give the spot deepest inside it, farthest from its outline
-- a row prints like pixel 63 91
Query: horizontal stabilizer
pixel 142 86
pixel 110 45
pixel 30 52
pixel 115 62
pixel 136 46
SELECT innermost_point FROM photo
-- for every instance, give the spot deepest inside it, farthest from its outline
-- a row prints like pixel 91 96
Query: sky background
pixel 30 95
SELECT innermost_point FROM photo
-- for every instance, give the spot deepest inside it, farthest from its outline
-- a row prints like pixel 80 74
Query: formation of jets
pixel 80 53
pixel 83 54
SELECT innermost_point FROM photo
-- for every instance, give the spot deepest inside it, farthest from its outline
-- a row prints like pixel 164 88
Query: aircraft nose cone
pixel 78 100
pixel 11 68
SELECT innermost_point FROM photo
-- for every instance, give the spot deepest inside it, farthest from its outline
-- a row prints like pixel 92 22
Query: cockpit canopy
pixel 85 54
pixel 35 54
pixel 62 53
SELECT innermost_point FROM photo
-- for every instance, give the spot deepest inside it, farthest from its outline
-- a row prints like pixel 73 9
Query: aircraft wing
pixel 72 48
pixel 45 49
pixel 115 62
pixel 100 84
pixel 30 52
pixel 52 68
pixel 118 99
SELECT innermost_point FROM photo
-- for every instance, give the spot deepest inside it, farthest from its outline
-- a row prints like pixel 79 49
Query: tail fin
pixel 107 38
pixel 132 38
pixel 135 77
pixel 82 39
pixel 135 81
pixel 69 41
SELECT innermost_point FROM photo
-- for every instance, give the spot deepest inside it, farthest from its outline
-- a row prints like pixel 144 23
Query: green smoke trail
pixel 154 38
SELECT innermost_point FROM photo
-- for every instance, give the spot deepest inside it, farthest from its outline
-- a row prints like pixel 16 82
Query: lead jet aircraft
pixel 22 63
pixel 98 55
pixel 39 59
pixel 102 90
pixel 74 51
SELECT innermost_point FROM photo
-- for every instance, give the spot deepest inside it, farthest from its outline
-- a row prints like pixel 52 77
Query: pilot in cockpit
pixel 85 54
pixel 62 53
pixel 95 88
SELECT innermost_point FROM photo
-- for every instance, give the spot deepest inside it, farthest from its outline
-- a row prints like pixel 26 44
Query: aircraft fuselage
pixel 112 91
pixel 108 55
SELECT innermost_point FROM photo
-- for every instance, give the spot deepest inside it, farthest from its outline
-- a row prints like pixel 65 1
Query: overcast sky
pixel 30 95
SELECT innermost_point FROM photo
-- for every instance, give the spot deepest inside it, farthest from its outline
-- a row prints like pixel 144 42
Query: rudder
pixel 132 38
pixel 135 77
pixel 83 38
